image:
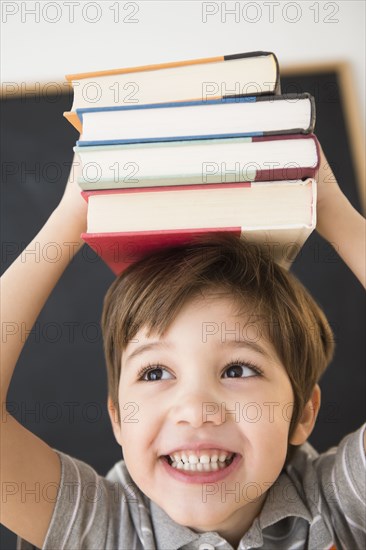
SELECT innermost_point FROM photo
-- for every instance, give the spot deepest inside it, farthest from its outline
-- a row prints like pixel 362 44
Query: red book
pixel 125 225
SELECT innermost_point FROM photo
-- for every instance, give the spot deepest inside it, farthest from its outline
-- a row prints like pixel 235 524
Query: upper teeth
pixel 204 457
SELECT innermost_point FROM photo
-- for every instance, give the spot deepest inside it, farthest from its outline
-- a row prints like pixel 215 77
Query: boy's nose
pixel 197 408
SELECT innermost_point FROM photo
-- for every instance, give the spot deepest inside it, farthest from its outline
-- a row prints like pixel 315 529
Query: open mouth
pixel 202 464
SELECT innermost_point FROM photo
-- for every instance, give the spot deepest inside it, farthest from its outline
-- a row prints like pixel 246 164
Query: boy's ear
pixel 112 411
pixel 306 423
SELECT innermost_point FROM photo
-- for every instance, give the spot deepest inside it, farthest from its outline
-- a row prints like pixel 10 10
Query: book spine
pixel 167 104
pixel 142 68
pixel 198 102
pixel 82 143
pixel 269 133
pixel 157 66
pixel 279 137
pixel 248 139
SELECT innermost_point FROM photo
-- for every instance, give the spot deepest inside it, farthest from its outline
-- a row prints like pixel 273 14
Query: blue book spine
pixel 249 99
pixel 82 143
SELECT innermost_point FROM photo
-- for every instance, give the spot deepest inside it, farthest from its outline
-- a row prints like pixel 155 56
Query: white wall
pixel 42 41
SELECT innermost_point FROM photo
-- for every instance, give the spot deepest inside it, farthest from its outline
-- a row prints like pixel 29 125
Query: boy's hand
pixel 72 205
pixel 338 222
pixel 328 191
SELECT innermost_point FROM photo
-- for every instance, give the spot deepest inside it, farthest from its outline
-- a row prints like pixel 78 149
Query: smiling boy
pixel 213 355
pixel 214 387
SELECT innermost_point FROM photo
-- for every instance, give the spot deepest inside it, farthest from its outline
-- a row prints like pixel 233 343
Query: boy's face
pixel 191 396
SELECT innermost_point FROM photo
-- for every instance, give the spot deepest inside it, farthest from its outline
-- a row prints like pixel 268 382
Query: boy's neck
pixel 237 525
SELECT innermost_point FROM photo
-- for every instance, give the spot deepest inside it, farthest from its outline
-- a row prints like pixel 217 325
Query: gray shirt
pixel 317 501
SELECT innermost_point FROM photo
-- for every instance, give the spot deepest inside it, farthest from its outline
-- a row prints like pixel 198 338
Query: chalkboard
pixel 59 388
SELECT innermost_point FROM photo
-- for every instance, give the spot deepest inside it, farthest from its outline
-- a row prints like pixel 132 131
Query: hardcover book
pixel 125 225
pixel 242 74
pixel 189 162
pixel 227 117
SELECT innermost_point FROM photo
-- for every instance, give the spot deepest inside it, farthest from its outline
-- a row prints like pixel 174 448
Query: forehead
pixel 215 303
pixel 213 317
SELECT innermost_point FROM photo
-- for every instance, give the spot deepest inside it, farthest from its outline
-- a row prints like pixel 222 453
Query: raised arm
pixel 340 223
pixel 28 271
pixel 25 287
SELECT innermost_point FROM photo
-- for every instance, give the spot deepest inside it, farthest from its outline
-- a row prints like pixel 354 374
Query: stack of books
pixel 173 151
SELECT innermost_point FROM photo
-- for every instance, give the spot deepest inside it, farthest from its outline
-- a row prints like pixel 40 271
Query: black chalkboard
pixel 59 386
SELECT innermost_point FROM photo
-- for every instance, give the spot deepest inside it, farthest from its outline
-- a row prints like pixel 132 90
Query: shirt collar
pixel 169 534
pixel 283 500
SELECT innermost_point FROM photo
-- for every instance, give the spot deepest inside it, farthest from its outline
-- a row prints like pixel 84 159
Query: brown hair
pixel 150 293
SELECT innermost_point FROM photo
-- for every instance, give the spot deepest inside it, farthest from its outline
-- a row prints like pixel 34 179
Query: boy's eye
pixel 238 369
pixel 151 374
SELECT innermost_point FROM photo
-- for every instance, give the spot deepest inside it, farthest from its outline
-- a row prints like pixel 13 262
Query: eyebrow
pixel 248 344
pixel 229 343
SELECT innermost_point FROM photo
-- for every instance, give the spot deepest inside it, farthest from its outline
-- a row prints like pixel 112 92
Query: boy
pixel 213 356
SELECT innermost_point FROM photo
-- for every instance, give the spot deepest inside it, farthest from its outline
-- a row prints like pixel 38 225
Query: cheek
pixel 130 414
pixel 268 444
pixel 265 423
pixel 269 405
pixel 265 420
pixel 130 409
pixel 140 425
